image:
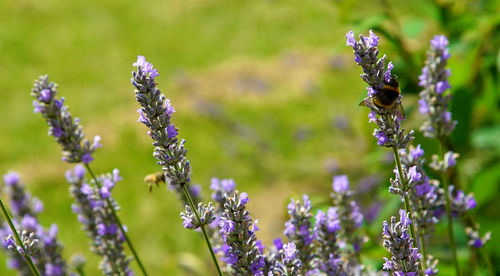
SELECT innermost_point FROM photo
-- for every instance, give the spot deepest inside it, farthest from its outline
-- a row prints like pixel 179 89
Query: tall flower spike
pixel 349 214
pixel 434 99
pixel 404 258
pixel 66 130
pixel 94 212
pixel 156 113
pixel 327 252
pixel 298 229
pixel 25 210
pixel 242 252
pixel 383 98
pixel 288 263
pixel 427 199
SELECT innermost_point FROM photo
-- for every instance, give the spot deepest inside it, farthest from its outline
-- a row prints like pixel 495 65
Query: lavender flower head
pixel 387 115
pixel 41 244
pixel 426 198
pixel 460 203
pixel 156 113
pixel 288 263
pixel 298 229
pixel 93 206
pixel 207 216
pixel 475 240
pixel 243 251
pixel 434 100
pixel 404 258
pixel 66 130
pixel 348 213
pixel 326 229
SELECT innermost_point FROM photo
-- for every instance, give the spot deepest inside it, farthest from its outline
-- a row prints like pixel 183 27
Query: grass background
pixel 266 93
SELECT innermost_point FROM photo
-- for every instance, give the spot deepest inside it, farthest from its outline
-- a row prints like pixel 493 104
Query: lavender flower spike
pixel 156 113
pixel 326 231
pixel 94 208
pixel 288 263
pixel 298 229
pixel 434 100
pixel 384 104
pixel 238 232
pixel 404 258
pixel 25 210
pixel 66 130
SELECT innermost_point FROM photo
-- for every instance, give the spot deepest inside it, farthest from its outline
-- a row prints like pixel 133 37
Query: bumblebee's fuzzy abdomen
pixel 387 96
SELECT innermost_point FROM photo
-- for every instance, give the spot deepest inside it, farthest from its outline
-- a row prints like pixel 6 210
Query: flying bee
pixel 387 96
pixel 154 178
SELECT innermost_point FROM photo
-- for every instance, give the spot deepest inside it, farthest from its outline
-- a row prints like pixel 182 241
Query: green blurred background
pixel 266 93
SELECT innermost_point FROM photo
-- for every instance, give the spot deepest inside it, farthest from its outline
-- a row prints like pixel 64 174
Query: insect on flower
pixel 386 97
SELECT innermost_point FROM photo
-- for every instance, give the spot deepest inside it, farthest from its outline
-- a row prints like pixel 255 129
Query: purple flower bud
pixel 340 183
pixel 373 39
pixel 96 143
pixel 45 95
pixel 169 109
pixel 11 178
pixel 439 42
pixel 350 41
pixel 387 74
pixel 101 229
pixel 278 243
pixel 244 198
pixel 289 249
pixel 417 152
pixel 372 116
pixel 87 158
pixel 37 107
pixel 414 175
pixel 442 86
pixel 381 137
pixel 471 202
pixel 404 218
pixel 171 131
pixel 57 131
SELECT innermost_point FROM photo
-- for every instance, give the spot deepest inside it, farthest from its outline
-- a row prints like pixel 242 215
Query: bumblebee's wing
pixel 362 103
pixel 401 110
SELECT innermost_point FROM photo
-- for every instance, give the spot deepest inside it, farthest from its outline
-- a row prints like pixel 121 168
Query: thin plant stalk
pixel 406 199
pixel 205 235
pixel 129 243
pixel 28 259
pixel 451 235
pixel 423 249
pixel 488 261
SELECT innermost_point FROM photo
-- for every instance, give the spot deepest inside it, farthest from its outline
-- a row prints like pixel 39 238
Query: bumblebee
pixel 386 96
pixel 154 178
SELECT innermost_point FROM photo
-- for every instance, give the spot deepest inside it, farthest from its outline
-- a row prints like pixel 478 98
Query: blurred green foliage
pixel 265 92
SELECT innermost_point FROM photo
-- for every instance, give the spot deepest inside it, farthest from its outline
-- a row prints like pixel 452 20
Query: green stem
pixel 28 259
pixel 488 261
pixel 127 240
pixel 451 235
pixel 205 235
pixel 424 251
pixel 406 199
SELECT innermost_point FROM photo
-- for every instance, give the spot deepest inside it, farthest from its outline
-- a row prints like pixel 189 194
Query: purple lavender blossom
pixel 238 232
pixel 475 240
pixel 156 113
pixel 350 217
pixel 206 212
pixel 25 210
pixel 66 130
pixel 298 229
pixel 326 229
pixel 425 195
pixel 404 258
pixel 433 99
pixel 288 262
pixel 93 209
pixel 375 74
pixel 460 203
